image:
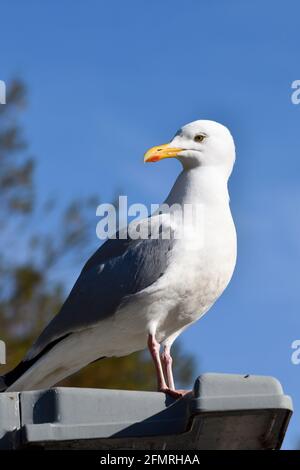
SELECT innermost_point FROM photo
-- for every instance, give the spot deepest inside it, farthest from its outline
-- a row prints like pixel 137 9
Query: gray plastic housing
pixel 222 412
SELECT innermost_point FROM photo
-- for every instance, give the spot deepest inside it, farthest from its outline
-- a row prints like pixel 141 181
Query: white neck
pixel 206 185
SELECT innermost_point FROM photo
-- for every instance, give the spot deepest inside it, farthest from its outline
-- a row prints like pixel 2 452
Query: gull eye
pixel 199 137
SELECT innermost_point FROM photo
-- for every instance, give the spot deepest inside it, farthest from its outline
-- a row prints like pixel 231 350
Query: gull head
pixel 200 143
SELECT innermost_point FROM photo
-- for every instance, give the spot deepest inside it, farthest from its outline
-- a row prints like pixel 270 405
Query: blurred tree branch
pixel 28 299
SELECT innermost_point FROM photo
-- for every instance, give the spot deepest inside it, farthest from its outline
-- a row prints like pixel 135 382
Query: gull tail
pixel 8 380
pixel 58 360
pixel 10 377
pixel 3 385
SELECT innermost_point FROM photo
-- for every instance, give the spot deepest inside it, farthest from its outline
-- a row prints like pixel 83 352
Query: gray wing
pixel 118 269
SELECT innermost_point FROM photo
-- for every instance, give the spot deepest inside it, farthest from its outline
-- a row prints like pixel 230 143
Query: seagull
pixel 143 292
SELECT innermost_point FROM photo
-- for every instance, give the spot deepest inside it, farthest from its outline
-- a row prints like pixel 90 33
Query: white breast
pixel 200 269
pixel 200 266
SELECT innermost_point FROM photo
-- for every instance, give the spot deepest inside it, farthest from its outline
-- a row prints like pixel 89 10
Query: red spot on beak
pixel 153 159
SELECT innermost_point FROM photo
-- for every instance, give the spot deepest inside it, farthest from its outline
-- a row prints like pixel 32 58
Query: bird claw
pixel 174 393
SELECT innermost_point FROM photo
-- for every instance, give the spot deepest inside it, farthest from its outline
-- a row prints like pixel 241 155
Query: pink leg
pixel 167 361
pixel 154 348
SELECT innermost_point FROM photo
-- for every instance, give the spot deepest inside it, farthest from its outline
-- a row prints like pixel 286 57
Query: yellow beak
pixel 160 152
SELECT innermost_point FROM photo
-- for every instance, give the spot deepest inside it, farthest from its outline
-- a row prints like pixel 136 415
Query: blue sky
pixel 109 79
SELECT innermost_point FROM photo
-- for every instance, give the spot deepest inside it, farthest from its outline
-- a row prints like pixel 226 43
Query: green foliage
pixel 16 169
pixel 28 295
